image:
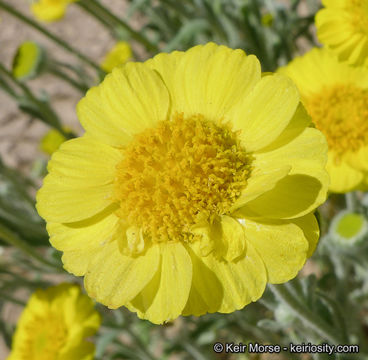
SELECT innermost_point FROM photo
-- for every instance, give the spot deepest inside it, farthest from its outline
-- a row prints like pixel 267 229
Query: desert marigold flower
pixel 50 10
pixel 336 97
pixel 54 326
pixel 343 26
pixel 192 188
pixel 118 55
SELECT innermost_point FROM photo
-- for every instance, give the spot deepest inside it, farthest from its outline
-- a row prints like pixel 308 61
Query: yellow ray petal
pixel 359 159
pixel 306 185
pixel 90 233
pixel 206 292
pixel 242 281
pixel 206 83
pixel 293 196
pixel 310 227
pixel 233 238
pixel 115 279
pixel 343 177
pixel 164 298
pixel 224 237
pixel 261 181
pixel 282 245
pixel 266 111
pixel 80 181
pixel 166 65
pixel 129 99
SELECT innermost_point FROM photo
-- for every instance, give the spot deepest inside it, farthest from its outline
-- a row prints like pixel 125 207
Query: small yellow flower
pixel 343 26
pixel 28 60
pixel 267 20
pixel 50 10
pixel 336 97
pixel 192 187
pixel 54 326
pixel 348 229
pixel 52 141
pixel 118 55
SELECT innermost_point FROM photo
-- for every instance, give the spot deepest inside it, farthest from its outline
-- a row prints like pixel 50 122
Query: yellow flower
pixel 52 141
pixel 118 55
pixel 192 187
pixel 336 97
pixel 54 326
pixel 50 10
pixel 343 26
pixel 28 61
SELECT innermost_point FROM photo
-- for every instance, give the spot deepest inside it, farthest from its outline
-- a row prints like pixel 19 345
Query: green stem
pixel 51 36
pixel 193 351
pixel 140 344
pixel 85 5
pixel 4 85
pixel 352 202
pixel 135 34
pixel 13 300
pixel 13 239
pixel 49 115
pixel 60 74
pixel 305 315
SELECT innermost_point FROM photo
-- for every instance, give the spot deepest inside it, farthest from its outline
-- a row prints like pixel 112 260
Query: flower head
pixel 50 10
pixel 192 187
pixel 55 324
pixel 118 55
pixel 348 228
pixel 29 60
pixel 343 26
pixel 336 97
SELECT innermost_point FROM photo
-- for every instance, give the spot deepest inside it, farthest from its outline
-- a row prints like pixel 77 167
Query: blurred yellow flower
pixel 348 229
pixel 28 60
pixel 50 10
pixel 343 26
pixel 51 141
pixel 54 326
pixel 192 188
pixel 336 96
pixel 118 55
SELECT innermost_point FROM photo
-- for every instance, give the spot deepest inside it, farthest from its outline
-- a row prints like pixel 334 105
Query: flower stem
pixel 103 11
pixel 85 5
pixel 5 86
pixel 47 114
pixel 13 239
pixel 13 300
pixel 352 202
pixel 60 74
pixel 304 314
pixel 51 36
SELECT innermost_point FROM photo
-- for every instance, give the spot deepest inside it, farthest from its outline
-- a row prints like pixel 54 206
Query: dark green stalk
pixel 50 117
pixel 4 85
pixel 13 239
pixel 11 299
pixel 85 5
pixel 135 35
pixel 305 315
pixel 60 74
